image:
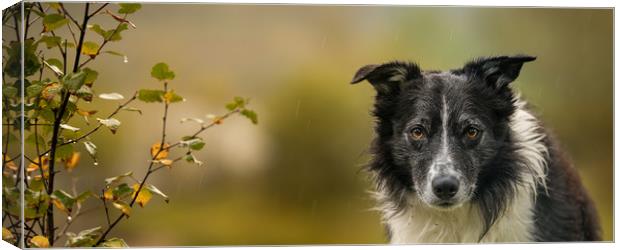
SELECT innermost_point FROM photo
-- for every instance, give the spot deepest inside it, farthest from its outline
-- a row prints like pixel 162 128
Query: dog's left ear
pixel 388 77
pixel 497 71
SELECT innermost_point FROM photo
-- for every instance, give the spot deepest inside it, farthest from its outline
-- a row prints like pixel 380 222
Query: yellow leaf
pixel 155 149
pixel 34 167
pixel 108 195
pixel 40 241
pixel 7 235
pixel 51 90
pixel 10 164
pixel 168 96
pixel 35 164
pixel 72 161
pixel 143 197
pixel 86 112
pixel 126 209
pixel 59 205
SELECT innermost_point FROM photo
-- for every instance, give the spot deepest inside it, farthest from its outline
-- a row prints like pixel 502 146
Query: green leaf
pixel 36 203
pixel 129 8
pixel 121 191
pixel 109 35
pixel 37 185
pixel 150 95
pixel 250 115
pixel 50 41
pixel 90 49
pixel 192 159
pixel 161 72
pixel 238 102
pixel 9 91
pixel 31 139
pixel 91 76
pixel 113 242
pixel 112 180
pixel 111 123
pixel 114 35
pixel 195 143
pixel 34 90
pixel 55 62
pixel 63 201
pixel 31 60
pixel 47 114
pixel 73 81
pixel 83 196
pixel 97 29
pixel 53 21
pixel 86 238
pixel 54 69
pixel 64 151
pixel 156 191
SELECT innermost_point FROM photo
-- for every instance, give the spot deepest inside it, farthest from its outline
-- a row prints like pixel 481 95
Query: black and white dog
pixel 459 158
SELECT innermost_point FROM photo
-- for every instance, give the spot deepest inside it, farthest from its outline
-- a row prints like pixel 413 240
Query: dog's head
pixel 441 131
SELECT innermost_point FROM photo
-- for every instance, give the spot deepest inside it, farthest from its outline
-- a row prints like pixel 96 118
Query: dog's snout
pixel 445 187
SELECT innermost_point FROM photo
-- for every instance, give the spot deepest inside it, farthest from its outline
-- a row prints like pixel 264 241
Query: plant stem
pixel 105 41
pixel 56 131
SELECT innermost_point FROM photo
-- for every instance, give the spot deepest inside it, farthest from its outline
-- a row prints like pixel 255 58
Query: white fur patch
pixel 419 223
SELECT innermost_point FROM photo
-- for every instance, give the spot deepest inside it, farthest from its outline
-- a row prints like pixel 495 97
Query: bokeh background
pixel 295 177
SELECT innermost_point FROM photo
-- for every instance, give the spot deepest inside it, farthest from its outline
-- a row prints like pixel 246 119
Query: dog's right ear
pixel 387 77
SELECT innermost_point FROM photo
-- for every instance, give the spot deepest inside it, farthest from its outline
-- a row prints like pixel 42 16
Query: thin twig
pixel 150 169
pixel 97 10
pixel 105 41
pixel 135 95
pixel 107 213
pixel 66 14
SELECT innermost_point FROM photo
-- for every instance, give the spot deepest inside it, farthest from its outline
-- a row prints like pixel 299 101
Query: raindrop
pixel 125 60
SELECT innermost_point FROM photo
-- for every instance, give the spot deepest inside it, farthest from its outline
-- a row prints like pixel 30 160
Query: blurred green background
pixel 295 177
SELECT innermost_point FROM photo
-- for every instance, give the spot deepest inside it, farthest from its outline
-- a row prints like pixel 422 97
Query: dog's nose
pixel 445 187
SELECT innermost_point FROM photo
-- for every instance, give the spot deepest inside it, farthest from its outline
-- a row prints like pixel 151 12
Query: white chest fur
pixel 421 224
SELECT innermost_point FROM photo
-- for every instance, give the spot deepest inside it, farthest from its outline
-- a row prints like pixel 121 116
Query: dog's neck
pixel 419 223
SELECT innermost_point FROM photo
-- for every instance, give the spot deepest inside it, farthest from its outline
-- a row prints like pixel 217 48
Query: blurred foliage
pixel 52 95
pixel 296 178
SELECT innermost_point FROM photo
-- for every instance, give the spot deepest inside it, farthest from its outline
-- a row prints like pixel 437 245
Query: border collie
pixel 458 157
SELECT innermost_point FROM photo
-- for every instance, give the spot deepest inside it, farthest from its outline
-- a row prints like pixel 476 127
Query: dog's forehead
pixel 445 79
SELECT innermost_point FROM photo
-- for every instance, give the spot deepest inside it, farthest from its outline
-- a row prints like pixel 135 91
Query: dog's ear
pixel 387 77
pixel 499 71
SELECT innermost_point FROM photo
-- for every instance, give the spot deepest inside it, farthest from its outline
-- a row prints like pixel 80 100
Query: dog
pixel 458 158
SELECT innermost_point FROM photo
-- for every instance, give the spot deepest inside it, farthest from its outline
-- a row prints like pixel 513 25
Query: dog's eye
pixel 472 133
pixel 417 133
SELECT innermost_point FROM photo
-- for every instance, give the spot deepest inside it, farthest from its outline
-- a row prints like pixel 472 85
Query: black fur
pixel 478 95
